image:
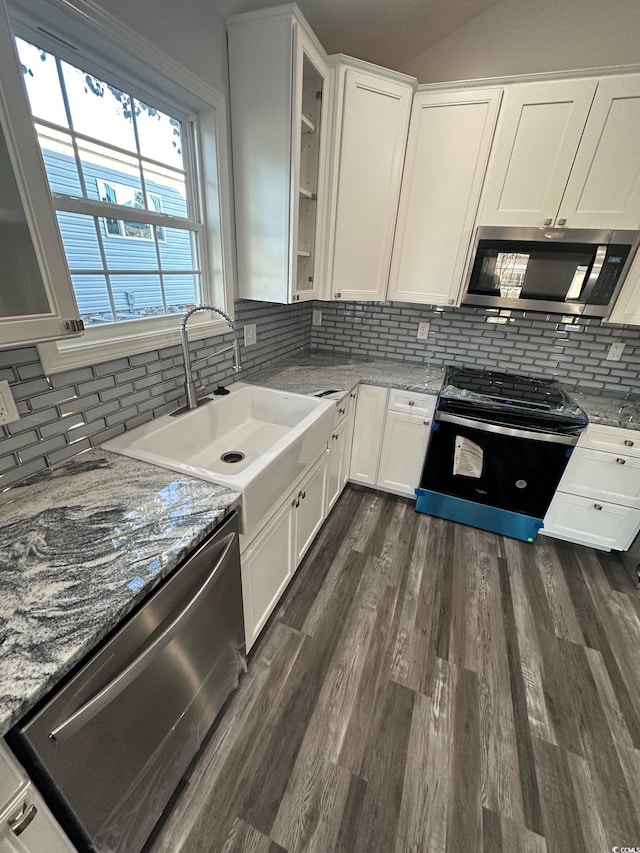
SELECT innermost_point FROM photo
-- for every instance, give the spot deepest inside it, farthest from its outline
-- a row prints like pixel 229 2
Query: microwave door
pixel 558 276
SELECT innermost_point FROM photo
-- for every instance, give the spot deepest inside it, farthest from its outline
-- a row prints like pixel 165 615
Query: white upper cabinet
pixel 371 117
pixel 604 186
pixel 627 305
pixel 567 154
pixel 536 143
pixel 36 296
pixel 450 138
pixel 277 72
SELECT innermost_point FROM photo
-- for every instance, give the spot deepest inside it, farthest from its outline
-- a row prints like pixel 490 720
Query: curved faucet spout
pixel 190 387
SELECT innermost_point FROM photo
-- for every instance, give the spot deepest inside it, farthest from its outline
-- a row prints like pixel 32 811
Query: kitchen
pixel 376 346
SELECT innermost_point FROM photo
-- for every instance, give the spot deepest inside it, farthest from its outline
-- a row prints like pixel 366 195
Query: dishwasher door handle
pixel 515 432
pixel 87 711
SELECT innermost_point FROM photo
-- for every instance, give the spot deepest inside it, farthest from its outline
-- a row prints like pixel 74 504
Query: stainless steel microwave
pixel 562 270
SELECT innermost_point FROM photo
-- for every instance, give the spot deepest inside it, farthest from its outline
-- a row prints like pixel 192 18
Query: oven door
pixel 495 465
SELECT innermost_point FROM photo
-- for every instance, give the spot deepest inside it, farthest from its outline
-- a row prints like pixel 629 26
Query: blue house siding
pixel 132 261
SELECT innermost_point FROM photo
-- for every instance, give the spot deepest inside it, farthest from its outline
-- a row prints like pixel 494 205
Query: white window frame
pixel 89 37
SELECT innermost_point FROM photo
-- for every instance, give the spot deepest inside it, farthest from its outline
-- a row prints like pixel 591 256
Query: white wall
pixel 525 36
pixel 190 31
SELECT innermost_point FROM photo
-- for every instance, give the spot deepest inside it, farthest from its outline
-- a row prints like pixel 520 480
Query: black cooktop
pixel 533 402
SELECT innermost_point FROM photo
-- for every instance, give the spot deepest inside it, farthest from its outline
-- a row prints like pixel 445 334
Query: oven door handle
pixel 483 426
pixel 87 711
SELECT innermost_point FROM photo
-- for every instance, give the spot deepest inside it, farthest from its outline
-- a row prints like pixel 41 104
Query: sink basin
pixel 255 440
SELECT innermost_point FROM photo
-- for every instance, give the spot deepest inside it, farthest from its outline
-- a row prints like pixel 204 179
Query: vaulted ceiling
pixel 387 32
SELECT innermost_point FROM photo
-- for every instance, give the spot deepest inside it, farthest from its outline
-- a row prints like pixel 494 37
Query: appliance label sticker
pixel 467 458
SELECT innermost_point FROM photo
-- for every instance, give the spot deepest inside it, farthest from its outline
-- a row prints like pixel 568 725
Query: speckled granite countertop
pixel 79 547
pixel 310 372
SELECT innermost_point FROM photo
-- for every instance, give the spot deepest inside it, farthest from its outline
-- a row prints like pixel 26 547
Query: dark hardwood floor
pixel 429 687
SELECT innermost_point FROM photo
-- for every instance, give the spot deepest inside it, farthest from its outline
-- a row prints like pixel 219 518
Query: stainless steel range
pixel 500 443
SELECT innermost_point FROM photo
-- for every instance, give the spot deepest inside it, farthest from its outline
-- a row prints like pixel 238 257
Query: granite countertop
pixel 310 372
pixel 80 545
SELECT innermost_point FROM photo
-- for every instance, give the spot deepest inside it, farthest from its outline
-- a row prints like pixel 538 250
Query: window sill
pixel 106 343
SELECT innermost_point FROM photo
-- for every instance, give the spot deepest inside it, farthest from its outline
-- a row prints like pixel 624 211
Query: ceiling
pixel 387 32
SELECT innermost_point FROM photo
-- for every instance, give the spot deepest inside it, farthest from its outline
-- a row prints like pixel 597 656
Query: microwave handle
pixel 594 275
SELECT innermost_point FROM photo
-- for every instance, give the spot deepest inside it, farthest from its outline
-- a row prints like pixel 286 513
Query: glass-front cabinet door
pixel 36 296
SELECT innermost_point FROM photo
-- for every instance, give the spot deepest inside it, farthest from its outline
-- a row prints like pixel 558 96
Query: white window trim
pixel 148 69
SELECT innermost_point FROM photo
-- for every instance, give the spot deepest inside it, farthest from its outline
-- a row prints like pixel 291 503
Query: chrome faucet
pixel 189 385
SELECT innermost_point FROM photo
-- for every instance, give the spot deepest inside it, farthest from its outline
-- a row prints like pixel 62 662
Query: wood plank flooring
pixel 425 687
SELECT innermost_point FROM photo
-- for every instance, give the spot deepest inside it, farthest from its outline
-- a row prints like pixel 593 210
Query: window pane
pixel 92 297
pixel 182 292
pixel 133 248
pixel 137 296
pixel 42 82
pixel 169 186
pixel 98 109
pixel 59 161
pixel 102 166
pixel 80 241
pixel 159 135
pixel 177 249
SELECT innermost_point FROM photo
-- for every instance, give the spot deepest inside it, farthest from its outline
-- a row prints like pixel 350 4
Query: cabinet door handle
pixel 628 443
pixel 621 461
pixel 562 222
pixel 597 506
pixel 303 495
pixel 411 403
pixel 426 423
pixel 335 436
pixel 20 821
pixel 353 397
pixel 548 221
pixel 342 411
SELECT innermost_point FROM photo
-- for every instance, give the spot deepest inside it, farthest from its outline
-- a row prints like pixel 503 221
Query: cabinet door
pixel 36 296
pixel 41 833
pixel 404 447
pixel 536 142
pixel 449 141
pixel 311 507
pixel 267 567
pixel 604 186
pixel 367 434
pixel 337 464
pixel 612 477
pixel 626 308
pixel 374 120
pixel 591 522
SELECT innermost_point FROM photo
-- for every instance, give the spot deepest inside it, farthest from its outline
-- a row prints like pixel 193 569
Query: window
pixel 133 148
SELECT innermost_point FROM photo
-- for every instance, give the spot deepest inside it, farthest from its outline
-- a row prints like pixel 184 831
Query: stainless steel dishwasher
pixel 111 746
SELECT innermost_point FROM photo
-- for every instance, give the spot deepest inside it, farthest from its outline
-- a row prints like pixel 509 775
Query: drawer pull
pixel 342 411
pixel 621 461
pixel 19 822
pixel 597 506
pixel 353 397
pixel 411 403
pixel 335 436
pixel 628 443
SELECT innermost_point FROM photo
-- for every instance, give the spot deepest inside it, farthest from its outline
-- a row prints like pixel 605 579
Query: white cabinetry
pixel 36 296
pixel 450 137
pixel 598 498
pixel 367 434
pixel 340 449
pixel 277 72
pixel 566 154
pixel 370 119
pixel 26 824
pixel 627 305
pixel 270 561
pixel 390 438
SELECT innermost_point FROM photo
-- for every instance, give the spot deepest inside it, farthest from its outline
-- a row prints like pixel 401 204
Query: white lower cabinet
pixel 367 434
pixel 404 447
pixel 27 826
pixel 598 497
pixel 270 561
pixel 591 522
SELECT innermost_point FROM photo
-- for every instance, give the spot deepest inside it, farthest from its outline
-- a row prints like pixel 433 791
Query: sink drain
pixel 232 456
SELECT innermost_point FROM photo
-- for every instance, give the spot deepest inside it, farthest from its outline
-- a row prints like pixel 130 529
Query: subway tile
pixel 53 398
pixel 30 371
pixel 94 385
pixel 108 368
pixel 15 357
pixel 26 390
pixel 118 392
pixel 42 448
pixel 68 452
pixel 21 472
pixel 80 404
pixel 71 377
pixel 85 430
pixel 18 442
pixel 61 426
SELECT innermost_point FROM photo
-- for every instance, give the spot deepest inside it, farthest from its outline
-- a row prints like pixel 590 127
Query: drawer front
pixel 611 439
pixel 612 477
pixel 412 404
pixel 12 777
pixel 580 519
pixel 345 407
